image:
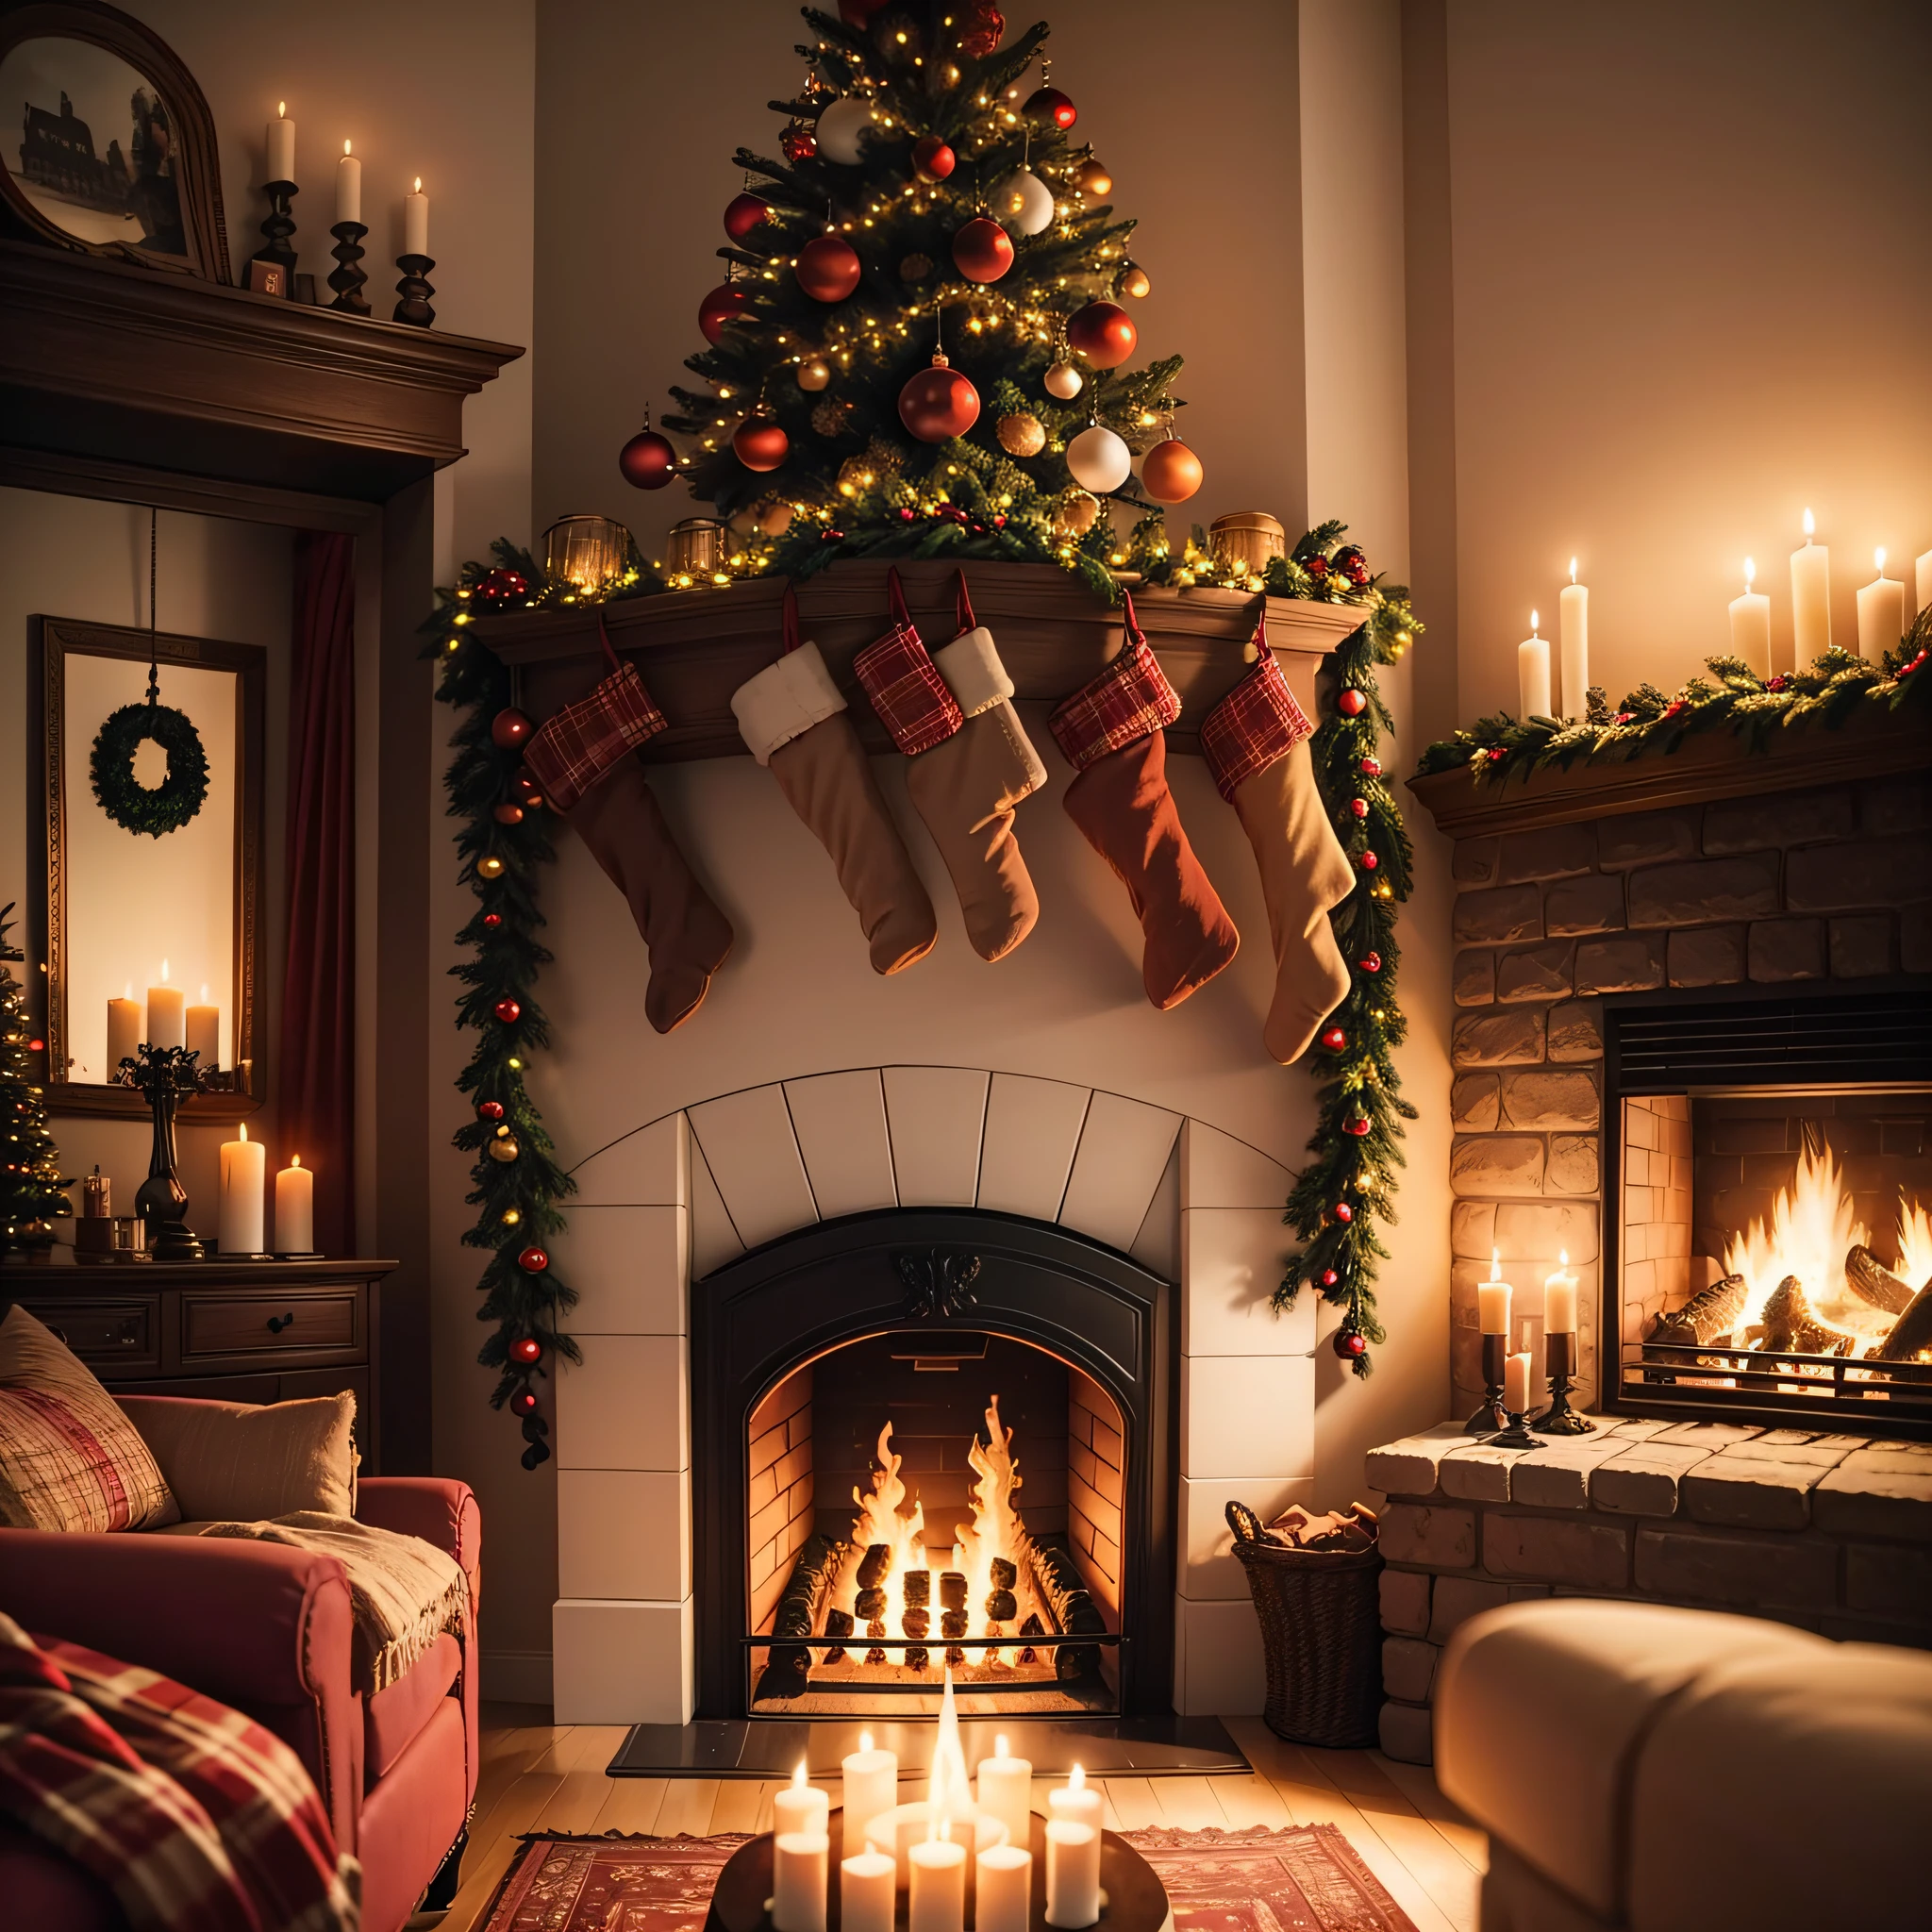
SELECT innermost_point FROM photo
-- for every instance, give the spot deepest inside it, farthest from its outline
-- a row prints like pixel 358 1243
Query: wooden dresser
pixel 227 1330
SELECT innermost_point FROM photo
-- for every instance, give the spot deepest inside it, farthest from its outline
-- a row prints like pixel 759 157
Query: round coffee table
pixel 1136 1899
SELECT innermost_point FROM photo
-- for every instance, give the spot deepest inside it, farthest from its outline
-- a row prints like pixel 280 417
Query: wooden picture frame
pixel 54 780
pixel 59 184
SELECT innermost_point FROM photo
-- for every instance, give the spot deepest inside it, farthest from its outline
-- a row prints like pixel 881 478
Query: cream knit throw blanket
pixel 405 1592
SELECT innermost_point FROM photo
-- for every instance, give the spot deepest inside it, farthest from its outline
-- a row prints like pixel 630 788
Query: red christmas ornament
pixel 939 403
pixel 1170 472
pixel 501 585
pixel 1351 703
pixel 981 251
pixel 524 1402
pixel 1371 767
pixel 1348 1344
pixel 508 1011
pixel 1316 566
pixel 509 728
pixel 647 460
pixel 1355 1128
pixel 1352 564
pixel 720 308
pixel 1050 104
pixel 507 814
pixel 827 268
pixel 1104 333
pixel 1343 1212
pixel 526 1348
pixel 798 143
pixel 492 919
pixel 760 443
pixel 490 1110
pixel 1335 1039
pixel 1369 962
pixel 1329 1277
pixel 1369 862
pixel 981 28
pixel 745 212
pixel 533 1261
pixel 1360 807
pixel 933 157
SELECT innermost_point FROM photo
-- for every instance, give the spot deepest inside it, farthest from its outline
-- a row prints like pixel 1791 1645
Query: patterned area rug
pixel 1305 1880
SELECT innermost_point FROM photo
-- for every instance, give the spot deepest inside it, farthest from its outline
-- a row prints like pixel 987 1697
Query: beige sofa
pixel 1660 1769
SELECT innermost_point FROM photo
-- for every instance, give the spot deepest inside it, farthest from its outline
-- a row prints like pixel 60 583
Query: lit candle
pixel 1516 1378
pixel 348 187
pixel 167 1013
pixel 799 1806
pixel 124 1029
pixel 244 1172
pixel 938 1896
pixel 1004 1881
pixel 1751 624
pixel 1881 613
pixel 1559 1298
pixel 416 221
pixel 871 1785
pixel 1810 597
pixel 1533 673
pixel 281 146
pixel 1006 1790
pixel 1573 617
pixel 1492 1298
pixel 1077 1802
pixel 800 1863
pixel 204 1032
pixel 868 1890
pixel 1925 576
pixel 295 1209
pixel 1072 1873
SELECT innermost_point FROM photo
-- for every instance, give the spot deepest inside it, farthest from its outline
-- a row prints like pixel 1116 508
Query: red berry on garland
pixel 1352 564
pixel 1329 1277
pixel 760 443
pixel 524 1402
pixel 1351 703
pixel 745 212
pixel 1369 962
pixel 1357 1128
pixel 1348 1344
pixel 939 403
pixel 533 1261
pixel 1369 862
pixel 981 251
pixel 508 1011
pixel 1360 807
pixel 1050 104
pixel 501 585
pixel 490 1110
pixel 828 268
pixel 720 308
pixel 1103 332
pixel 526 1348
pixel 647 460
pixel 1343 1213
pixel 933 157
pixel 492 919
pixel 1335 1039
pixel 507 814
pixel 529 794
pixel 509 728
pixel 1371 767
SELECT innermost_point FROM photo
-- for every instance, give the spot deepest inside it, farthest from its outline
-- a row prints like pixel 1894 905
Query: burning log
pixel 1790 1326
pixel 917 1658
pixel 1912 1334
pixel 1003 1575
pixel 915 1624
pixel 916 1587
pixel 1060 1588
pixel 1002 1606
pixel 1705 1317
pixel 871 1604
pixel 873 1567
pixel 838 1623
pixel 788 1666
pixel 952 1623
pixel 1872 1281
pixel 953 1590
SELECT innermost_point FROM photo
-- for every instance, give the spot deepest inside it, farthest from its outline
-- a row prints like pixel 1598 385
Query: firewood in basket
pixel 1002 1606
pixel 952 1623
pixel 1871 1280
pixel 1790 1326
pixel 953 1590
pixel 915 1624
pixel 1912 1334
pixel 1705 1316
pixel 916 1587
pixel 874 1565
pixel 1003 1575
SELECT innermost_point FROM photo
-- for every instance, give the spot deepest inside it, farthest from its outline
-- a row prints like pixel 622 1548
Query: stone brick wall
pixel 1832 1533
pixel 1834 883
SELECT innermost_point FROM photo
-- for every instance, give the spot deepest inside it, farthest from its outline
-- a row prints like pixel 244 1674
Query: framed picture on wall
pixel 152 829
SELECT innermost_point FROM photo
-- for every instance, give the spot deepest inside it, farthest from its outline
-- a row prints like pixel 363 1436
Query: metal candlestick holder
pixel 348 278
pixel 279 226
pixel 1491 1415
pixel 415 291
pixel 1559 1419
pixel 1516 1435
pixel 164 1077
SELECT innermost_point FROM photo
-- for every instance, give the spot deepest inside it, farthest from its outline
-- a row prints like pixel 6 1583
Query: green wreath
pixel 123 798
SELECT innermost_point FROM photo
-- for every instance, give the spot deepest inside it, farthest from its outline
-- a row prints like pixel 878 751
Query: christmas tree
pixel 920 346
pixel 31 1189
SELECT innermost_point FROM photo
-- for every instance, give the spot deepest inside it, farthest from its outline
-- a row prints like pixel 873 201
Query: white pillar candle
pixel 295 1209
pixel 936 1901
pixel 1004 1886
pixel 1077 1801
pixel 868 1893
pixel 1574 619
pixel 244 1195
pixel 799 1806
pixel 1751 624
pixel 416 221
pixel 1533 673
pixel 281 146
pixel 1492 1299
pixel 1005 1787
pixel 1516 1378
pixel 348 187
pixel 1810 598
pixel 1925 576
pixel 203 1028
pixel 167 1013
pixel 800 1863
pixel 1881 613
pixel 124 1030
pixel 1559 1298
pixel 1072 1873
pixel 870 1785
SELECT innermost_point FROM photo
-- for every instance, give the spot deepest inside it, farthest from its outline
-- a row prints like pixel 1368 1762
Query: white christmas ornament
pixel 1023 202
pixel 1099 460
pixel 840 125
pixel 1062 380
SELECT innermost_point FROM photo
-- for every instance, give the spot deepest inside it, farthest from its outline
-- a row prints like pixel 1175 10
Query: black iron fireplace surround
pixel 931 1279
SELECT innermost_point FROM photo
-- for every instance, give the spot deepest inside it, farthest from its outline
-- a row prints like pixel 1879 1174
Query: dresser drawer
pixel 283 1325
pixel 104 1330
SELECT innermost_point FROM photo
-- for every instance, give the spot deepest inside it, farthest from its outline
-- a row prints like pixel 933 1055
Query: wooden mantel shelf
pixel 107 360
pixel 695 647
pixel 1716 766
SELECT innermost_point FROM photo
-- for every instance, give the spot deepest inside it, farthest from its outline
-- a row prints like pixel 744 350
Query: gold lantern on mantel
pixel 1245 541
pixel 591 554
pixel 694 551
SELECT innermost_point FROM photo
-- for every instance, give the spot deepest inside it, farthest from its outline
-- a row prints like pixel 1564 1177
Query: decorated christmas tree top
pixel 921 341
pixel 32 1194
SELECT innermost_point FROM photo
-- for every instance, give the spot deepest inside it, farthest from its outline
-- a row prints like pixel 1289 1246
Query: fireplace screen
pixel 1773 1251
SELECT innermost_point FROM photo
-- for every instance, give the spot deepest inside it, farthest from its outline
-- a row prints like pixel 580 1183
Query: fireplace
pixel 1770 1261
pixel 930 1442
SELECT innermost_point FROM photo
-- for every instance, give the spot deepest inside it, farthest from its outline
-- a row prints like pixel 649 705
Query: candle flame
pixel 1573 570
pixel 1879 560
pixel 164 972
pixel 244 1130
pixel 1562 1258
pixel 1077 1780
pixel 1532 624
pixel 1810 525
pixel 204 992
pixel 418 189
pixel 1750 575
pixel 128 990
pixel 945 1831
pixel 345 147
pixel 1495 1264
pixel 799 1776
pixel 999 1745
pixel 295 1161
pixel 281 111
pixel 865 1740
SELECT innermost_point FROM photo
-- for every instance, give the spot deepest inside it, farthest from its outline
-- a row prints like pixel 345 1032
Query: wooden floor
pixel 542 1776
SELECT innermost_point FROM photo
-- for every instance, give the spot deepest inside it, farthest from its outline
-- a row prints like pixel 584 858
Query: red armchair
pixel 267 1630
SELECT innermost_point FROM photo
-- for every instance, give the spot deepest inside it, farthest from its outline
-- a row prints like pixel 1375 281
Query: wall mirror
pixel 108 146
pixel 153 838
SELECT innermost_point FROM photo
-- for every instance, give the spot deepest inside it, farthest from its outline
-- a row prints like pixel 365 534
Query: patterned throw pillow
pixel 69 1458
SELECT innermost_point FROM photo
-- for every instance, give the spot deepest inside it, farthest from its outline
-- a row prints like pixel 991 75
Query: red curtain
pixel 317 1066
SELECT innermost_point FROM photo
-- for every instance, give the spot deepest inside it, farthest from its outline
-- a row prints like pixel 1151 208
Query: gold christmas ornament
pixel 1091 179
pixel 1062 380
pixel 815 374
pixel 1132 281
pixel 1244 542
pixel 504 1148
pixel 1075 514
pixel 1022 435
pixel 490 868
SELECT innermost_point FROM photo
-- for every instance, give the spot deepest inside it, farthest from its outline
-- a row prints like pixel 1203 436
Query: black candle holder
pixel 348 278
pixel 164 1077
pixel 278 228
pixel 1491 1415
pixel 415 291
pixel 1559 1419
pixel 1516 1435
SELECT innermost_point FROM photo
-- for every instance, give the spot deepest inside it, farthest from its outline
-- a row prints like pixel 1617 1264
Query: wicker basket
pixel 1321 1633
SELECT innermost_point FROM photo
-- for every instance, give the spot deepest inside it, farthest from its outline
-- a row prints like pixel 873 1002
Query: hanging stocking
pixel 1256 746
pixel 1113 730
pixel 793 719
pixel 585 761
pixel 965 784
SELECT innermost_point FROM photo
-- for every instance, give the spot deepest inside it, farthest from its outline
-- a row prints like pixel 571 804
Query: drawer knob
pixel 277 1322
